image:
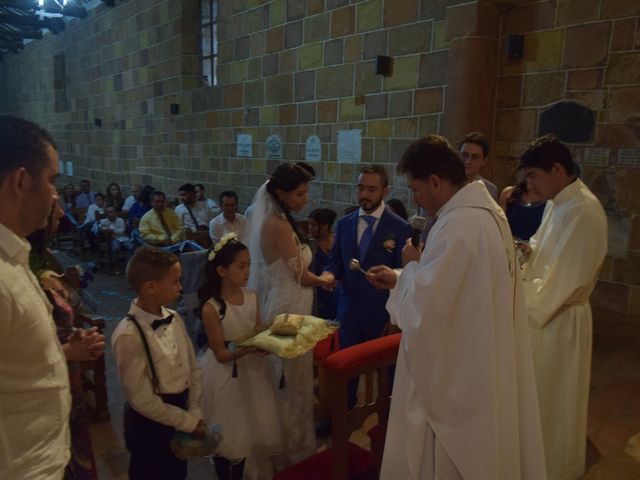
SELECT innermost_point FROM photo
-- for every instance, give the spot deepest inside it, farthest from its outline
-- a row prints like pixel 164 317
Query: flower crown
pixel 226 238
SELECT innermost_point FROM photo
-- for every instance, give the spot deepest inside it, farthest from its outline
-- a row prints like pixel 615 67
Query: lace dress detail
pixel 295 400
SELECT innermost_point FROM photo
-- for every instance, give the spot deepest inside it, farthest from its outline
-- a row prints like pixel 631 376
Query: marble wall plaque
pixel 349 146
pixel 629 157
pixel 618 236
pixel 244 145
pixel 313 149
pixel 274 147
pixel 596 157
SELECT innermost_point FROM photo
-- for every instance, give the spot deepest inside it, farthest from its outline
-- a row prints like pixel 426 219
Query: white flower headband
pixel 231 236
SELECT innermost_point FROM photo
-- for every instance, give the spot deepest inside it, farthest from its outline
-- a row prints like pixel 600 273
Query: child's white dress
pixel 245 406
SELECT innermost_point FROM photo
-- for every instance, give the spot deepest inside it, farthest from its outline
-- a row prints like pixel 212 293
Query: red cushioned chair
pixel 321 352
pixel 345 460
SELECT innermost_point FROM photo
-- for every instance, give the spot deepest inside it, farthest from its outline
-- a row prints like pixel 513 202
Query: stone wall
pixel 297 68
pixel 587 51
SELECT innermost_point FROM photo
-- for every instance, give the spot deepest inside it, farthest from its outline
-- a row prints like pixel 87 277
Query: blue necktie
pixel 367 235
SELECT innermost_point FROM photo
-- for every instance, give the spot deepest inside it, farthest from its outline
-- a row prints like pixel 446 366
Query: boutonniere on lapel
pixel 389 244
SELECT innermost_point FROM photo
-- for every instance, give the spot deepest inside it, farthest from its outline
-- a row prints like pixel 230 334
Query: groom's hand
pixel 382 276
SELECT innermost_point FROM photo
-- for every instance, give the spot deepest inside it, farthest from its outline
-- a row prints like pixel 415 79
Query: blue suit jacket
pixel 360 305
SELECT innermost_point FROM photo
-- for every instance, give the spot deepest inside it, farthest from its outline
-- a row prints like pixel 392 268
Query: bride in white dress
pixel 279 273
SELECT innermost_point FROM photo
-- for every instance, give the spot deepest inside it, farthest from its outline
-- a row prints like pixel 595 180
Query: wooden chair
pixel 345 460
pixel 94 377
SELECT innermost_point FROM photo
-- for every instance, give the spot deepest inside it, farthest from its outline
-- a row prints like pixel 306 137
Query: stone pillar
pixel 472 30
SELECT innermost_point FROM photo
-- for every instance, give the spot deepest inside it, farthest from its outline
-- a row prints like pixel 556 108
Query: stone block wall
pixel 587 51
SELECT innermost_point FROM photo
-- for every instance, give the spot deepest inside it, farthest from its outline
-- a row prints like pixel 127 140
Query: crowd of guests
pixel 493 371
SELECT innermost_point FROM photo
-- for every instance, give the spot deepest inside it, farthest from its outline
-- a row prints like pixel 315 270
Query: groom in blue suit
pixel 374 235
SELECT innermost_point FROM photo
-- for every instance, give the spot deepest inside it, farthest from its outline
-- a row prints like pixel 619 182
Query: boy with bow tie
pixel 157 367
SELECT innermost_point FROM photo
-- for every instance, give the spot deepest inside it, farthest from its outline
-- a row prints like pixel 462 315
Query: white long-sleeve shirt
pixel 35 398
pixel 175 364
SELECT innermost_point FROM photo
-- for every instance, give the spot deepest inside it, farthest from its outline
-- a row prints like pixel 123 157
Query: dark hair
pixel 433 155
pixel 98 194
pixel 519 189
pixel 212 288
pixel 157 193
pixel 543 152
pixel 287 177
pixel 23 144
pixel 398 208
pixel 109 189
pixel 324 216
pixel 198 185
pixel 187 188
pixel 477 138
pixel 377 170
pixel 228 193
pixel 145 194
pixel 149 264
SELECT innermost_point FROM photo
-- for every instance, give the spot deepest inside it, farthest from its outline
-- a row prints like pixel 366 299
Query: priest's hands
pixel 411 253
pixel 382 276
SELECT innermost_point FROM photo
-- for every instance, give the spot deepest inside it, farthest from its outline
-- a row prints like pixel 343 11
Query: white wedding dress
pixel 279 289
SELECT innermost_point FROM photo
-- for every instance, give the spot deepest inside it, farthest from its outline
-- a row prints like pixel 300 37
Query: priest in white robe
pixel 565 257
pixel 464 403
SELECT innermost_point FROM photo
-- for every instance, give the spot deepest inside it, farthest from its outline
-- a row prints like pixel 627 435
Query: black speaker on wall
pixel 174 108
pixel 515 47
pixel 383 65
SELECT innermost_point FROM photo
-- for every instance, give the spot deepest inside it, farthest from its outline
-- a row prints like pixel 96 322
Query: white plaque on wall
pixel 349 146
pixel 596 157
pixel 274 147
pixel 629 157
pixel 70 168
pixel 61 167
pixel 244 143
pixel 313 149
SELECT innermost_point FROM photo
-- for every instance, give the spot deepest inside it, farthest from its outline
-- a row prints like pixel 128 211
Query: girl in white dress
pixel 238 385
pixel 285 285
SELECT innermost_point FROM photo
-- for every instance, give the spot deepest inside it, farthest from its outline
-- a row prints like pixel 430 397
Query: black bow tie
pixel 162 321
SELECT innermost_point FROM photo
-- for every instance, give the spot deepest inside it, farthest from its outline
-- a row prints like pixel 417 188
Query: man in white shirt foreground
pixel 34 382
pixel 229 220
pixel 464 400
pixel 565 257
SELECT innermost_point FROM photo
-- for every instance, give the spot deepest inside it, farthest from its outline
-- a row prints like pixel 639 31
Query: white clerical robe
pixel 464 403
pixel 567 252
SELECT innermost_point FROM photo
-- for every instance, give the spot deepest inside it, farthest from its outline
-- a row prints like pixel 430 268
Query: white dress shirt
pixel 199 210
pixel 35 399
pixel 362 223
pixel 117 226
pixel 128 203
pixel 175 364
pixel 220 226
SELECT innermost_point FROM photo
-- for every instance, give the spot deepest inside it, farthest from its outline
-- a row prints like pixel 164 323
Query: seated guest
pixel 211 203
pixel 135 194
pixel 115 224
pixel 524 210
pixel 113 198
pixel 320 223
pixel 397 207
pixel 160 225
pixel 85 196
pixel 97 207
pixel 141 206
pixel 69 197
pixel 193 214
pixel 229 220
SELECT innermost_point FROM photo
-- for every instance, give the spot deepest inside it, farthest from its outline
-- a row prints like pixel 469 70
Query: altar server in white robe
pixel 565 256
pixel 464 403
